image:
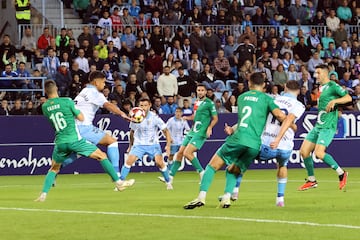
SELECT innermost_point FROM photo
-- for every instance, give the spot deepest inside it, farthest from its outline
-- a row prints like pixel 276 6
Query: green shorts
pixel 240 155
pixel 62 151
pixel 196 141
pixel 321 136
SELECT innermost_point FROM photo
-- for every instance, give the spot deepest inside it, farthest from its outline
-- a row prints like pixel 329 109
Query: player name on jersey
pixel 53 107
pixel 250 98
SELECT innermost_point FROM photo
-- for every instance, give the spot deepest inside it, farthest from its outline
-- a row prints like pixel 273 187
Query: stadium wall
pixel 26 144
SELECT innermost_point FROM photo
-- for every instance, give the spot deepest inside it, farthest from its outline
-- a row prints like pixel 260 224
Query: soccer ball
pixel 138 114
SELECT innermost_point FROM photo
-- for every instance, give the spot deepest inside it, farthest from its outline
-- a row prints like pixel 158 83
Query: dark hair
pixel 323 67
pixel 145 99
pixel 293 85
pixel 49 86
pixel 96 75
pixel 201 85
pixel 257 78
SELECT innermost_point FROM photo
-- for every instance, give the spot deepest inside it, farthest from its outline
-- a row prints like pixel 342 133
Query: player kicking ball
pixel 320 137
pixel 61 113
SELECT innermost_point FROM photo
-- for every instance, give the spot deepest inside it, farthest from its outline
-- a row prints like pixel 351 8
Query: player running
pixel 243 144
pixel 320 137
pixel 61 113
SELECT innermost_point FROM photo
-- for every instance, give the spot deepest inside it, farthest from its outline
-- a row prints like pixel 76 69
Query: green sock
pixel 49 180
pixel 109 169
pixel 230 182
pixel 196 164
pixel 330 161
pixel 207 178
pixel 309 165
pixel 175 168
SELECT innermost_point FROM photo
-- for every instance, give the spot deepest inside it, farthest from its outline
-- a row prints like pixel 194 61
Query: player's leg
pixel 324 140
pixel 159 160
pixel 282 159
pixel 214 165
pixel 179 156
pixel 49 179
pixel 112 150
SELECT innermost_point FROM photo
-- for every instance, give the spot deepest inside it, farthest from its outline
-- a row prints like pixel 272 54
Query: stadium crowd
pixel 143 55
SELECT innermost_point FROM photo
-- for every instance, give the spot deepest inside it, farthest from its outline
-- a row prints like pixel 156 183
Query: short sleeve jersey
pixel 177 127
pixel 88 102
pixel 204 110
pixel 254 107
pixel 289 105
pixel 61 113
pixel 328 92
pixel 146 132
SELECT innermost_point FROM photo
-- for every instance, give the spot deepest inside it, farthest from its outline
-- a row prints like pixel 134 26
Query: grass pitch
pixel 86 207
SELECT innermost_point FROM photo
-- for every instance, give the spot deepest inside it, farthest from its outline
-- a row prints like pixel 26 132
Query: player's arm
pixel 344 99
pixel 189 118
pixel 214 120
pixel 230 129
pixel 167 135
pixel 80 117
pixel 288 121
pixel 114 109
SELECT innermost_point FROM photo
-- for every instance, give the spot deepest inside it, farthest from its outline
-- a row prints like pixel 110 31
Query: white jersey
pixel 177 128
pixel 146 132
pixel 88 102
pixel 288 104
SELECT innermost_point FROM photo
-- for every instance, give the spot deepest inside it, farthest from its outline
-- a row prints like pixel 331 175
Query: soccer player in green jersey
pixel 204 119
pixel 61 113
pixel 243 144
pixel 320 137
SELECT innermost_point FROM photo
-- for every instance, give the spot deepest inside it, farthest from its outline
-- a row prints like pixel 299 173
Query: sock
pixel 230 182
pixel 207 178
pixel 281 186
pixel 124 171
pixel 175 168
pixel 339 171
pixel 238 182
pixel 113 155
pixel 165 174
pixel 202 195
pixel 49 179
pixel 309 165
pixel 69 160
pixel 196 164
pixel 108 168
pixel 330 161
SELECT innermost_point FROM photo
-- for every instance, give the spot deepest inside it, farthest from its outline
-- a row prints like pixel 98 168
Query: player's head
pixel 145 104
pixel 97 79
pixel 50 88
pixel 293 87
pixel 178 112
pixel 201 91
pixel 322 73
pixel 257 80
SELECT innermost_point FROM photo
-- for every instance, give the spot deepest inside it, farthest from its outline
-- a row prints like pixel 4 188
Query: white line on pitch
pixel 181 217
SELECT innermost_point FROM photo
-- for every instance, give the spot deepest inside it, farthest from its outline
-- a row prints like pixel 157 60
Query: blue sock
pixel 165 174
pixel 124 172
pixel 238 180
pixel 113 155
pixel 281 186
pixel 69 160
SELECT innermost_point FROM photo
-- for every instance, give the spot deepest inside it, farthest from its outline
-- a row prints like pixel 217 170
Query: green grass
pixel 89 209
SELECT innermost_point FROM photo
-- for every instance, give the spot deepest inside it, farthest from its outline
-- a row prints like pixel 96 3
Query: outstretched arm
pixel 114 109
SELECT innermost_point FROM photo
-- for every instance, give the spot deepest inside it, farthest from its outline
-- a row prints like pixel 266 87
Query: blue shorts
pixel 282 156
pixel 174 149
pixel 91 133
pixel 151 150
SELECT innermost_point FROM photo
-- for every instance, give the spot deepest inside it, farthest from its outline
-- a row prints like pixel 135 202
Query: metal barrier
pixel 37 30
pixel 42 89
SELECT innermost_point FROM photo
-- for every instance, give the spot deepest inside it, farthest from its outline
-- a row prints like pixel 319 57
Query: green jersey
pixel 329 91
pixel 253 109
pixel 61 113
pixel 204 110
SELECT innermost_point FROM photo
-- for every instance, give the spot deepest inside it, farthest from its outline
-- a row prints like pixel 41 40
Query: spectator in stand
pixel 124 66
pixel 344 12
pixel 247 21
pixel 75 70
pixel 240 89
pixel 25 83
pixel 211 44
pixel 301 51
pixel 186 86
pixel 4 108
pixel 153 63
pixel 43 41
pixel 75 86
pixel 208 79
pixel 313 62
pixel 327 39
pixel 28 44
pixel 157 105
pixel 115 39
pixel 297 13
pixel 170 106
pixel 17 109
pixel 62 41
pixel 280 77
pixel 319 19
pixel 250 34
pixel 50 64
pixel 118 95
pixel 82 61
pixel 306 82
pixel 126 19
pixel 343 53
pixel 29 108
pixel 132 86
pixel 274 46
pixel 347 82
pixel 167 84
pixel 245 51
pixel 157 41
pixel 313 40
pixel 96 60
pixel 231 104
pixel 81 6
pixel 208 18
pixel 102 49
pixel 63 80
pixel 275 61
pixel 292 73
pixel 261 68
pixel 259 18
pixel 305 98
pixel 332 21
pixel 86 35
pixel 340 34
pixel 196 41
pixel 150 85
pixel 222 67
pixel 105 23
pixel 345 68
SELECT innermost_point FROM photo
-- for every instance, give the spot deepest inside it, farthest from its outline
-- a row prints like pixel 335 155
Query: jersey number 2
pixel 58 121
pixel 247 112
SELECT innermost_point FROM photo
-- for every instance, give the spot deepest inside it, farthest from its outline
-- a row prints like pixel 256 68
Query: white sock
pixel 339 171
pixel 235 190
pixel 280 199
pixel 227 196
pixel 311 178
pixel 202 195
